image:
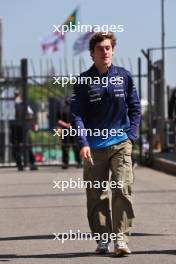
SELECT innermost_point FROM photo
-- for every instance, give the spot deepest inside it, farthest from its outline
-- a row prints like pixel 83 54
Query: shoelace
pixel 103 243
pixel 121 244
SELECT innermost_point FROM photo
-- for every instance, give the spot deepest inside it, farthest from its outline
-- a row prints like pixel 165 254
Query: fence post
pixel 150 107
pixel 140 97
pixel 1 68
pixel 24 82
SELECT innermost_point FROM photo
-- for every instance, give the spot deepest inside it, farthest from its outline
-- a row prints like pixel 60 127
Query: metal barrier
pixel 171 134
pixel 46 101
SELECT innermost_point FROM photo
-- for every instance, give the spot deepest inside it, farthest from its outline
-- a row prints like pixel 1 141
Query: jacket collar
pixel 95 71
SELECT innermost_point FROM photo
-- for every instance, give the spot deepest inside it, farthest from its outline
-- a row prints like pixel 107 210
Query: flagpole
pixel 65 55
pixel 80 64
pixel 65 63
pixel 80 57
pixel 122 62
pixel 60 67
pixel 84 64
pixel 73 66
pixel 115 61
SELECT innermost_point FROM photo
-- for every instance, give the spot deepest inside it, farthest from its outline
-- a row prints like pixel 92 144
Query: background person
pixel 17 137
pixel 68 141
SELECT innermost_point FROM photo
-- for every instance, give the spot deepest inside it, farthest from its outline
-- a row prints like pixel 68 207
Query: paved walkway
pixel 31 211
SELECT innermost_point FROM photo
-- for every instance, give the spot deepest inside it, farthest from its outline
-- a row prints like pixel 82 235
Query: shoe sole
pixel 122 252
pixel 103 251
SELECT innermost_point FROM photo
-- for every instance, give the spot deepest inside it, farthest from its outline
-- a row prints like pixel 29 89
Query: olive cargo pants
pixel 116 158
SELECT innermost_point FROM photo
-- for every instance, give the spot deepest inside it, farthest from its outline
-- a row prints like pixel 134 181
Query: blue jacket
pixel 95 106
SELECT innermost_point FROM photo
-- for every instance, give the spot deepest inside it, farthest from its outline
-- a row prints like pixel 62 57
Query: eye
pixel 100 48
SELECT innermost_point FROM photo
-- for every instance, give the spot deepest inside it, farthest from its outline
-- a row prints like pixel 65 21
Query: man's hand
pixel 64 124
pixel 85 153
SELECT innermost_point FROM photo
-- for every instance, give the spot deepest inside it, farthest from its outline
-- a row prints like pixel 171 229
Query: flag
pixel 82 43
pixel 72 19
pixel 51 43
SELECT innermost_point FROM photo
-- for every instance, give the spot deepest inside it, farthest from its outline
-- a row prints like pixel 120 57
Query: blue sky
pixel 26 22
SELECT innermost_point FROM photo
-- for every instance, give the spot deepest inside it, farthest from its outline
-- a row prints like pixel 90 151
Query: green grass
pixel 43 92
pixel 44 137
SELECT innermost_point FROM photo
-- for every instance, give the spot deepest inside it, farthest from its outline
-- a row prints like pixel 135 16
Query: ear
pixel 91 54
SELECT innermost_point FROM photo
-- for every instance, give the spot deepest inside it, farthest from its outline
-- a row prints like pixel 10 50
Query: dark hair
pixel 100 36
pixel 17 93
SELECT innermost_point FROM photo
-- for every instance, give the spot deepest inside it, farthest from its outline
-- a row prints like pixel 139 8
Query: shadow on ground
pixel 84 236
pixel 85 254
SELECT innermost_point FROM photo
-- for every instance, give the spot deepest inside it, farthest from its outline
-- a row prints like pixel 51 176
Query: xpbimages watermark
pixel 83 28
pixel 82 184
pixel 104 81
pixel 87 236
pixel 85 132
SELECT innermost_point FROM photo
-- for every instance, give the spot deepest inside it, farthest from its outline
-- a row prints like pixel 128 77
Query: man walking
pixel 114 106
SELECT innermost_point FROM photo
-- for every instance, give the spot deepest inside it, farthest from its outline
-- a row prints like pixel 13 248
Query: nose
pixel 105 51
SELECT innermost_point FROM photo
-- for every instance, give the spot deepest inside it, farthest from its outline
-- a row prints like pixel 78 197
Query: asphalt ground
pixel 31 210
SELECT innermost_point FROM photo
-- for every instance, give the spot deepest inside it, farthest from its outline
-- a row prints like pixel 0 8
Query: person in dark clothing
pixel 67 141
pixel 17 136
pixel 172 105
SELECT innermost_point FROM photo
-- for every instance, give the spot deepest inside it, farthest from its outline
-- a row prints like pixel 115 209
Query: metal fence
pixel 45 99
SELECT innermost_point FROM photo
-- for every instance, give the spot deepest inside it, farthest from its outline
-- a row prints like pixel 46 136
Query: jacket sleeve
pixel 78 113
pixel 134 108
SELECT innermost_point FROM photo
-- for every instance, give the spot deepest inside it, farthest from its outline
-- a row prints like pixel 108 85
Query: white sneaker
pixel 121 248
pixel 103 247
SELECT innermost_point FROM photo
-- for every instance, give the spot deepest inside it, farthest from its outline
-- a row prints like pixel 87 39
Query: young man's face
pixel 102 53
